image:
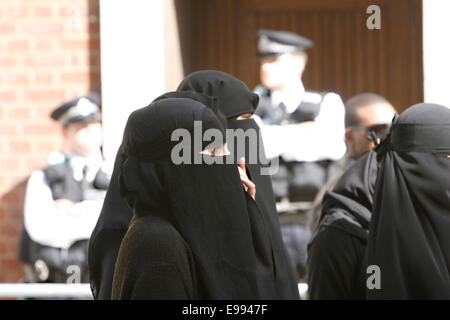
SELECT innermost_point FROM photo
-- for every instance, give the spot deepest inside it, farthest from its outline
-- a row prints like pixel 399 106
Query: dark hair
pixel 361 101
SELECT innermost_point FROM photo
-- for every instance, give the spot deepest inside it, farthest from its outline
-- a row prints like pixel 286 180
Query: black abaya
pixel 114 220
pixel 233 98
pixel 213 220
pixel 409 233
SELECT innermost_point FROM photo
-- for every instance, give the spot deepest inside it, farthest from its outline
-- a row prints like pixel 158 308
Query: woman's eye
pixel 244 116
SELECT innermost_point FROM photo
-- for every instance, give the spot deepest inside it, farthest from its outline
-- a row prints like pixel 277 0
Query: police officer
pixel 303 129
pixel 63 201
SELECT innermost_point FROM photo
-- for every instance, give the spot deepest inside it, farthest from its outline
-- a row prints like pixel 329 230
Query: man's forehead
pixel 283 57
pixel 84 124
pixel 376 113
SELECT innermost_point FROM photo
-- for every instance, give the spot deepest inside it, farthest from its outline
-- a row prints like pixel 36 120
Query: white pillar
pixel 132 62
pixel 436 51
pixel 173 58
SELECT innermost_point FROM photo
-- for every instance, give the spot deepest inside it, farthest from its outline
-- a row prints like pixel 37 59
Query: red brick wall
pixel 49 52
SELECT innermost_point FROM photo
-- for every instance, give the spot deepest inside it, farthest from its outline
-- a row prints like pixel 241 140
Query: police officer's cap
pixel 273 42
pixel 82 109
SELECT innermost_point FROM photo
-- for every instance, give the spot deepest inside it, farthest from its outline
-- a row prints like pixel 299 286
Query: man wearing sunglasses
pixel 365 113
pixel 336 266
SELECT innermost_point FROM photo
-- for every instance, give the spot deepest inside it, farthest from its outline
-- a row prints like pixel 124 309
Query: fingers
pixel 241 163
pixel 249 187
pixel 243 177
pixel 242 173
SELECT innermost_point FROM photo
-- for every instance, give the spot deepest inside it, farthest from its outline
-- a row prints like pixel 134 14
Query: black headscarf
pixel 204 202
pixel 409 234
pixel 114 220
pixel 233 98
pixel 230 97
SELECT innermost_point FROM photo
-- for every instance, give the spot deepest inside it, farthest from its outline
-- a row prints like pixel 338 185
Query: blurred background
pixel 132 51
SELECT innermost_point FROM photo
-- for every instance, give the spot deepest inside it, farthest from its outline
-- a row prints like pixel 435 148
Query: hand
pixel 248 185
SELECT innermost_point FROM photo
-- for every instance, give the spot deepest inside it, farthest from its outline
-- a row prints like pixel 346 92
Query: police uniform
pixel 53 243
pixel 305 153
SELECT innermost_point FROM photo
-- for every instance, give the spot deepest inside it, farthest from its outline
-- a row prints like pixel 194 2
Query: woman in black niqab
pixel 115 218
pixel 206 236
pixel 225 95
pixel 409 238
pixel 233 99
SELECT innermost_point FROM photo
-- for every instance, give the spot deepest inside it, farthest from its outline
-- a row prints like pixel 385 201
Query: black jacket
pixel 337 252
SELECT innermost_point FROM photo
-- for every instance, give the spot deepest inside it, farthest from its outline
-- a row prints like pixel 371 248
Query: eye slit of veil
pixel 244 116
pixel 221 151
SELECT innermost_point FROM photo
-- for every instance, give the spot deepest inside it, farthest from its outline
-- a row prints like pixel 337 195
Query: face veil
pixel 204 202
pixel 115 217
pixel 226 93
pixel 409 239
pixel 233 98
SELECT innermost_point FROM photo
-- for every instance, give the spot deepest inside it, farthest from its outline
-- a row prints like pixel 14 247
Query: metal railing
pixel 70 291
pixel 46 290
pixel 303 290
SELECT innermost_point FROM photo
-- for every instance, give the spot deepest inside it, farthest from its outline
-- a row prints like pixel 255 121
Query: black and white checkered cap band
pixel 83 109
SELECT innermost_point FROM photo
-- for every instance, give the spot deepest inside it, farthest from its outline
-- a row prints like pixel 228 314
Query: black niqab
pixel 205 203
pixel 233 98
pixel 409 237
pixel 115 217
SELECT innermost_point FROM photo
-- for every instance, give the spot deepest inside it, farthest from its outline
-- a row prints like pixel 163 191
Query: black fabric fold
pixel 116 215
pixel 409 239
pixel 353 194
pixel 233 99
pixel 336 252
pixel 231 95
pixel 228 96
pixel 205 204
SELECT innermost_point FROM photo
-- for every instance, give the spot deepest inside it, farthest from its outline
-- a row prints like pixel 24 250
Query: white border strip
pixel 45 290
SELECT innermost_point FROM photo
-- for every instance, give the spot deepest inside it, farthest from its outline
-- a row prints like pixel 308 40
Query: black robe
pixel 233 98
pixel 226 95
pixel 409 233
pixel 159 264
pixel 337 250
pixel 220 244
pixel 107 236
pixel 114 220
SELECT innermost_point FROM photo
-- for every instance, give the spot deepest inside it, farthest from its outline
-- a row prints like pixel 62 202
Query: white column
pixel 436 51
pixel 132 62
pixel 174 61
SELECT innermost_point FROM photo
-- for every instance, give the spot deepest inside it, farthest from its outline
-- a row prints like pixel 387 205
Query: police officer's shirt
pixel 315 141
pixel 50 227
